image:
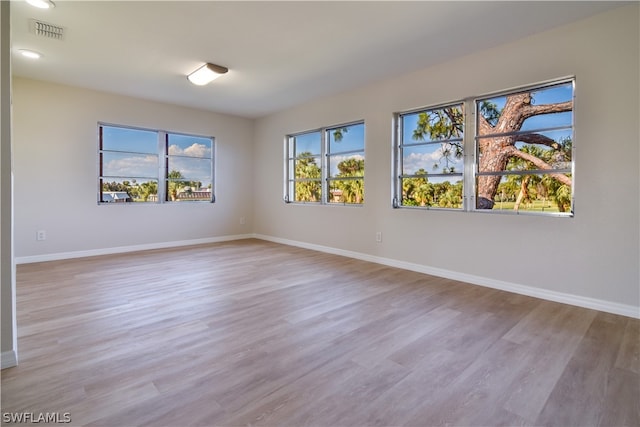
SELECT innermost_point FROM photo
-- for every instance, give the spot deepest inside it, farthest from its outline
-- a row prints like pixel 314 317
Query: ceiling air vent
pixel 44 29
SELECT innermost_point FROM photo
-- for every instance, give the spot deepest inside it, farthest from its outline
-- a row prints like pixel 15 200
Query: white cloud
pixel 132 166
pixel 194 150
pixel 414 161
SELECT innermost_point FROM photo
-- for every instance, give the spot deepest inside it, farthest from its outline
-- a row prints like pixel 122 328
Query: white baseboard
pixel 577 300
pixel 8 359
pixel 124 249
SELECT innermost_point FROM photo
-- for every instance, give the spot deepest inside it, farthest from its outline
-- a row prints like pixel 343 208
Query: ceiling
pixel 279 54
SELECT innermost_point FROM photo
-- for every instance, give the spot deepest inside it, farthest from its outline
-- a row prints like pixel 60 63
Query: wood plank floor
pixel 255 333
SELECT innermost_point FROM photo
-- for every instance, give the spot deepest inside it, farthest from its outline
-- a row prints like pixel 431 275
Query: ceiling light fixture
pixel 206 74
pixel 42 4
pixel 32 54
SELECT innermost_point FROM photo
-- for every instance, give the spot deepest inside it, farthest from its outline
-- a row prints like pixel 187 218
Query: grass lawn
pixel 535 206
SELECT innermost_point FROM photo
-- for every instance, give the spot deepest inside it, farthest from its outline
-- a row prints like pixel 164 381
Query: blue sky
pixel 123 139
pixel 311 142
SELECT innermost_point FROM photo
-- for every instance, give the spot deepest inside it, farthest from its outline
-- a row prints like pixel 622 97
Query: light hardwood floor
pixel 255 333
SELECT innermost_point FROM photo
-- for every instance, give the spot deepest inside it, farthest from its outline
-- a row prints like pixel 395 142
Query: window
pixel 189 162
pixel 305 170
pixel 520 159
pixel 524 144
pixel 326 166
pixel 430 157
pixel 138 165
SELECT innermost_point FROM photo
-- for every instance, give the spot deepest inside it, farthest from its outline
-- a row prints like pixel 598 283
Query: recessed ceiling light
pixel 42 4
pixel 30 53
pixel 206 74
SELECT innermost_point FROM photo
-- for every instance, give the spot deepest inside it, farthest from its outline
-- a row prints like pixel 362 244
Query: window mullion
pixel 470 152
pixel 324 160
pixel 162 164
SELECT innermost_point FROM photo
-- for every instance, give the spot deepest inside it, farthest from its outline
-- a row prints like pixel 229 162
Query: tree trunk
pixel 494 152
pixel 524 193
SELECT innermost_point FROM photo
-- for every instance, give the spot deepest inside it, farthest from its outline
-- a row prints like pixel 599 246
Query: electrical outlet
pixel 242 220
pixel 41 235
pixel 378 236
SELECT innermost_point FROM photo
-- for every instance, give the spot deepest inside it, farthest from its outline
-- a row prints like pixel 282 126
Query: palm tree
pixel 414 188
pixel 307 169
pixel 352 189
pixel 174 186
pixel 147 189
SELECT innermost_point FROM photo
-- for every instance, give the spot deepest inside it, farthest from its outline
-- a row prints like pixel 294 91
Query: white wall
pixel 55 143
pixel 593 256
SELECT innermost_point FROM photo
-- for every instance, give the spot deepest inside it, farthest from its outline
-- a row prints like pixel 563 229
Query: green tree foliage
pixel 308 178
pixel 148 189
pixel 141 192
pixel 442 123
pixel 349 190
pixel 418 191
pixel 115 186
pixel 338 133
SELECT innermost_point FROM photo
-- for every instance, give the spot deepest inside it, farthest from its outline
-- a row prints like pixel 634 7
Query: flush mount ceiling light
pixel 32 54
pixel 206 74
pixel 42 4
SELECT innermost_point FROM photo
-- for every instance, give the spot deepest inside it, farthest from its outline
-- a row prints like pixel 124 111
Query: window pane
pixel 130 140
pixel 129 165
pixel 437 192
pixel 514 135
pixel 441 157
pixel 346 191
pixel 550 193
pixel 189 168
pixel 346 160
pixel 430 145
pixel 304 167
pixel 192 146
pixel 128 190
